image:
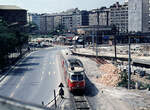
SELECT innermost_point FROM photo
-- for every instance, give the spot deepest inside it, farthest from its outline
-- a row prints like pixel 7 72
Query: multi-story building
pixel 76 21
pixel 57 20
pixel 119 16
pixel 99 16
pixel 139 15
pixel 67 22
pixel 34 18
pixel 71 19
pixel 46 23
pixel 84 18
pixel 13 14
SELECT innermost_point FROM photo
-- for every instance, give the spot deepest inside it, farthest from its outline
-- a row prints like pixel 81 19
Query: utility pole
pixel 97 32
pixel 129 62
pixel 114 31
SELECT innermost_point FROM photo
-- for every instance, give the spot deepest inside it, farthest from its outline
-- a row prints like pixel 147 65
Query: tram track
pixel 80 102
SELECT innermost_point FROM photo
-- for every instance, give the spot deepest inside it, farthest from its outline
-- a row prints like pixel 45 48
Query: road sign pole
pixel 55 98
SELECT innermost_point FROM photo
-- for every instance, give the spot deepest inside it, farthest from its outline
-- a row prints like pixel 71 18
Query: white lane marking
pixel 41 78
pixel 49 73
pixel 12 94
pixel 17 86
pixel 20 82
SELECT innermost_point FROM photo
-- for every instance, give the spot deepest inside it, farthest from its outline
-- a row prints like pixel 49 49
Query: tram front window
pixel 80 77
pixel 74 77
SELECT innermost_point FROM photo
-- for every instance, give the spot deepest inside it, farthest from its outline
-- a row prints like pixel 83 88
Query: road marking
pixel 54 72
pixel 41 78
pixel 17 85
pixel 12 94
pixel 22 78
pixel 42 72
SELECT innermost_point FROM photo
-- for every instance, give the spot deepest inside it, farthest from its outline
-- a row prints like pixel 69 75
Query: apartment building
pixel 71 19
pixel 34 18
pixel 139 15
pixel 57 20
pixel 46 23
pixel 99 16
pixel 119 16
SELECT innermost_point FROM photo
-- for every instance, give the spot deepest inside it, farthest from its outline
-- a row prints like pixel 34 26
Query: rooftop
pixel 10 7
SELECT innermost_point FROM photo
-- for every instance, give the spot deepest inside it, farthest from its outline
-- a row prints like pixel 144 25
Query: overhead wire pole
pixel 97 32
pixel 129 62
pixel 114 31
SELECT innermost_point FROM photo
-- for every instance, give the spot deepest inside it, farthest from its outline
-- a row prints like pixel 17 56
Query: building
pixel 13 14
pixel 46 23
pixel 57 20
pixel 99 16
pixel 84 18
pixel 35 19
pixel 71 19
pixel 139 15
pixel 67 22
pixel 119 16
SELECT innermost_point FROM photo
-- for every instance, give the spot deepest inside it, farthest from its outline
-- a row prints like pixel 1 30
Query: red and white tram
pixel 74 74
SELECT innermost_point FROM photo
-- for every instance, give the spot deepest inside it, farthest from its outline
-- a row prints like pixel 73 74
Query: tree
pixel 11 38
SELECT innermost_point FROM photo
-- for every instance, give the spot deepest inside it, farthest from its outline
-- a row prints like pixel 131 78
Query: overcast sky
pixel 51 6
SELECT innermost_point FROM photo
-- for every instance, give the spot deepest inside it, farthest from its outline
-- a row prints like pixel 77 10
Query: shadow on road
pixel 21 71
pixel 32 57
pixel 28 64
pixel 90 90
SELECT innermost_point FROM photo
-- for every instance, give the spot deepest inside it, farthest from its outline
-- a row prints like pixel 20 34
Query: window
pixel 80 77
pixel 74 77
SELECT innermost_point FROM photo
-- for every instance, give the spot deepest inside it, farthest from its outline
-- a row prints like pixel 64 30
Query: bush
pixel 124 81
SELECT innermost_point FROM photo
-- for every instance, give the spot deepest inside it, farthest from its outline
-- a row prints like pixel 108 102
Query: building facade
pixel 57 20
pixel 99 16
pixel 35 19
pixel 46 24
pixel 119 16
pixel 139 15
pixel 13 14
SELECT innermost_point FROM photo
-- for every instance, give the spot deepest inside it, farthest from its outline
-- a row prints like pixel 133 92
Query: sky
pixel 53 6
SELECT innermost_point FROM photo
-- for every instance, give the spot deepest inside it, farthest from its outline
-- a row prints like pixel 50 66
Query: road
pixel 34 78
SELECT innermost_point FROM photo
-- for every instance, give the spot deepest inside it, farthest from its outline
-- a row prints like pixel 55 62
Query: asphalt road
pixel 34 78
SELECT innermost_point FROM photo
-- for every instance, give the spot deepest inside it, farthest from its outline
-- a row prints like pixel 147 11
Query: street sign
pixel 61 85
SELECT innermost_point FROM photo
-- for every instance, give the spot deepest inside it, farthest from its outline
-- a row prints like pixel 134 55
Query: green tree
pixel 11 38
